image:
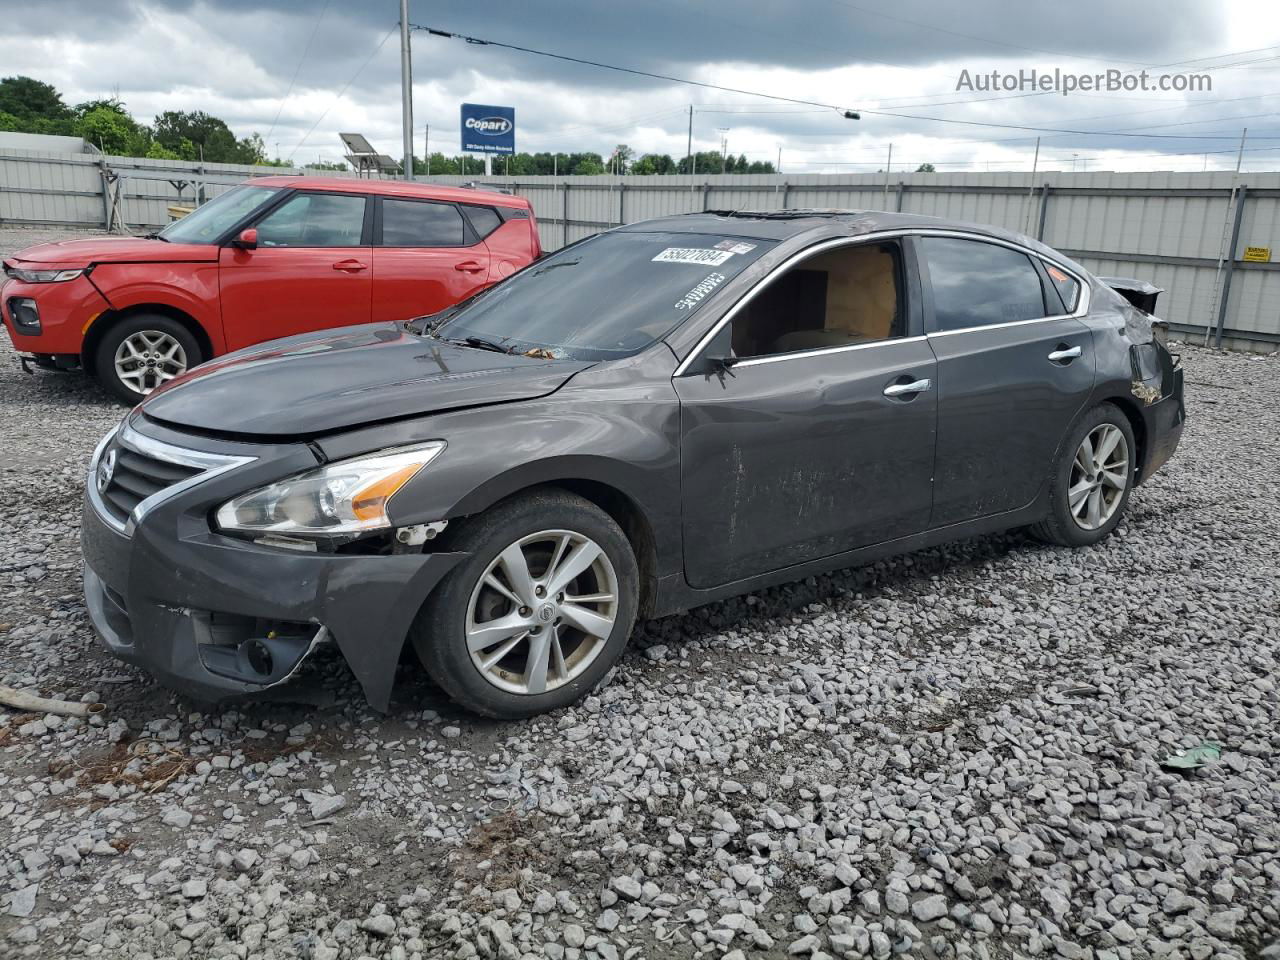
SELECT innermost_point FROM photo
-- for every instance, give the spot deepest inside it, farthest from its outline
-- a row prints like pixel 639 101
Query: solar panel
pixel 357 145
pixel 386 164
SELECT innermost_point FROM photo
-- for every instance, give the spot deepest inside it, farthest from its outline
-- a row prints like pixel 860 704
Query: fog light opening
pixel 259 657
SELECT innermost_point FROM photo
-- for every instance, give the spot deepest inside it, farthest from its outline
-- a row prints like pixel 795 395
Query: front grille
pixel 137 477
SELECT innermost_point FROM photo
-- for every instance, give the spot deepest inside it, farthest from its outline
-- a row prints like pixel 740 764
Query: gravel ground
pixel 954 753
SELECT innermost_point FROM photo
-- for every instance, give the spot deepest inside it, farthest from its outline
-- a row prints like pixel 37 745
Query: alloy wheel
pixel 542 612
pixel 148 358
pixel 1100 475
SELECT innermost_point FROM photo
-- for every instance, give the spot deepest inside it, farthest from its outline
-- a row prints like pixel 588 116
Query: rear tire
pixel 1091 480
pixel 518 629
pixel 142 352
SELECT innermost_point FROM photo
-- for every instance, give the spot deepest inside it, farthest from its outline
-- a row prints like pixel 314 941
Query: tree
pixel 108 126
pixel 926 168
pixel 621 158
pixel 196 135
pixel 32 100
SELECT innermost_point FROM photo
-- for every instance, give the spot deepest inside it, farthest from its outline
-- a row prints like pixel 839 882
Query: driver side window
pixel 841 297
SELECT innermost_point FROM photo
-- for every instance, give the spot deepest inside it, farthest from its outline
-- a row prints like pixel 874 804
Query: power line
pixel 813 103
pixel 359 71
pixel 296 70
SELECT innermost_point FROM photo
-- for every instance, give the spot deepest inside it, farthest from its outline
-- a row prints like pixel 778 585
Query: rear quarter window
pixel 1067 286
pixel 484 220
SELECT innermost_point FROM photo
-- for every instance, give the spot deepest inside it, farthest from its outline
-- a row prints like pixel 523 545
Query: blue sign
pixel 488 129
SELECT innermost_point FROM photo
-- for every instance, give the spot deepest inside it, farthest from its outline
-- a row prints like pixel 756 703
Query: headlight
pixel 43 276
pixel 346 497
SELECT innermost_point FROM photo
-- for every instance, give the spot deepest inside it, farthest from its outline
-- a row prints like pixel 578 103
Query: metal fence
pixel 1185 232
pixel 121 193
pixel 1189 233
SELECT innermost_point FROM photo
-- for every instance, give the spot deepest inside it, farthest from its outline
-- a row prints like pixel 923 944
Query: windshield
pixel 208 223
pixel 607 297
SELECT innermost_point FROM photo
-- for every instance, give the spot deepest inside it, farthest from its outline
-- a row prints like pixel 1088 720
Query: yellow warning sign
pixel 1258 254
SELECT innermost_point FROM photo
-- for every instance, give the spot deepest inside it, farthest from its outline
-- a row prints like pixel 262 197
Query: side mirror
pixel 721 364
pixel 247 240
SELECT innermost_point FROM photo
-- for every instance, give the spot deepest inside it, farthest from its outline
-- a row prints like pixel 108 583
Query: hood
pixel 81 253
pixel 317 383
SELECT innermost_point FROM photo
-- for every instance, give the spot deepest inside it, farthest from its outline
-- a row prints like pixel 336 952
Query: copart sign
pixel 488 129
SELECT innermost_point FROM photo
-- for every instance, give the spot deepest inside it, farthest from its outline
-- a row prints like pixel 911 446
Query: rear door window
pixel 314 220
pixel 421 223
pixel 979 284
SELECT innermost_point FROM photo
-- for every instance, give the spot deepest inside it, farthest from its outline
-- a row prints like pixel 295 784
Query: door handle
pixel 1064 354
pixel 349 266
pixel 468 266
pixel 902 389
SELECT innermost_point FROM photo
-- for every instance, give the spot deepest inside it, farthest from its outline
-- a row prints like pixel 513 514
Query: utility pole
pixel 426 145
pixel 406 90
pixel 689 148
pixel 887 166
pixel 724 147
pixel 1031 189
pixel 779 160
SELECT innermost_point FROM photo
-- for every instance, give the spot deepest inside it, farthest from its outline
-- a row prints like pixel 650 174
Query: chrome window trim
pixel 209 464
pixel 817 351
pixel 1082 307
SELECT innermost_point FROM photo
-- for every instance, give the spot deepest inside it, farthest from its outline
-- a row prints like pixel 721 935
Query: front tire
pixel 1092 479
pixel 538 614
pixel 142 352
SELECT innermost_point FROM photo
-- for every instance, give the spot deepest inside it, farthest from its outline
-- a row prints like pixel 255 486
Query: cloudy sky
pixel 298 71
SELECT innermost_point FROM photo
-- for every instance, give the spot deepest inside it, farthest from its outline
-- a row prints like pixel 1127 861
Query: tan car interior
pixel 844 296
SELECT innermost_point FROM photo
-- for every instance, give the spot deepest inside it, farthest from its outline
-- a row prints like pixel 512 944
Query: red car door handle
pixel 350 266
pixel 469 266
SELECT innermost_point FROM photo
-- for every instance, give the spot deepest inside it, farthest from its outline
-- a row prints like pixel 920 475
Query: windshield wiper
pixel 154 236
pixel 552 266
pixel 480 343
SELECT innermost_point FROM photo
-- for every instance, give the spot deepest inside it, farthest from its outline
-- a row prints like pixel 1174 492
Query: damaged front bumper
pixel 216 617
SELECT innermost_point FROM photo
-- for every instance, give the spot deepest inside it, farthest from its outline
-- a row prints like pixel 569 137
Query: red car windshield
pixel 208 223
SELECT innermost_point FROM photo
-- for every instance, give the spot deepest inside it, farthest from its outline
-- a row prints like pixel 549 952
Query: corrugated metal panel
pixel 1114 223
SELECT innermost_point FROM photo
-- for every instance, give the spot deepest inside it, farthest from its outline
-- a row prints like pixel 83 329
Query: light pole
pixel 724 146
pixel 406 90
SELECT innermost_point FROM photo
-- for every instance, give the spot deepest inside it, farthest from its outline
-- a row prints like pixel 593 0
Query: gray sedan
pixel 657 417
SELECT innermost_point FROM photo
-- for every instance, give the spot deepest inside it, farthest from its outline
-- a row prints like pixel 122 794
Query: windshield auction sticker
pixel 701 256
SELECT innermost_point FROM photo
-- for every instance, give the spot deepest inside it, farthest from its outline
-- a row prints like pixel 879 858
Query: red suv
pixel 272 257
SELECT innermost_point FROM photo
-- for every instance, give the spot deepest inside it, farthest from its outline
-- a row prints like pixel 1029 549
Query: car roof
pixel 784 224
pixel 393 188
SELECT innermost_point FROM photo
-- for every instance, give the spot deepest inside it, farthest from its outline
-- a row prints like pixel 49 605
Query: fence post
pixel 1044 210
pixel 902 188
pixel 1231 262
pixel 622 190
pixel 706 191
pixel 786 187
pixel 106 195
pixel 564 221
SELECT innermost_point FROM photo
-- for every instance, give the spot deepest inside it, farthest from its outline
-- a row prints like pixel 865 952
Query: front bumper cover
pixel 178 599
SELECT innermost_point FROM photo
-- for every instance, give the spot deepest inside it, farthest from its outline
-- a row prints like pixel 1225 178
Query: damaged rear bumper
pixel 216 617
pixel 1158 384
